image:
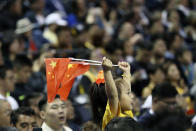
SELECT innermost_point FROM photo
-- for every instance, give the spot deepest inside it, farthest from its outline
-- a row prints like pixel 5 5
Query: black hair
pixel 156 37
pixel 112 46
pixel 168 120
pixel 96 35
pixel 163 91
pixel 7 40
pixel 21 61
pixel 168 65
pixel 60 28
pixel 170 37
pixel 152 69
pixel 3 70
pixel 145 45
pixel 32 1
pixel 42 103
pixel 21 111
pixel 37 82
pixel 122 124
pixel 179 52
pixel 98 99
pixel 26 101
pixel 8 129
pixel 6 4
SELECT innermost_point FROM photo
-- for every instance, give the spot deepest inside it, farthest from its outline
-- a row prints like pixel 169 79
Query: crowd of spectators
pixel 156 37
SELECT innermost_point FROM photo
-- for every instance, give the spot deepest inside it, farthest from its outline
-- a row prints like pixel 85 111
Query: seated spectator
pixel 5 110
pixel 64 37
pixel 157 76
pixel 22 68
pixel 52 21
pixel 123 124
pixel 139 66
pixel 37 12
pixel 127 31
pixel 32 38
pixel 11 46
pixel 174 77
pixel 11 11
pixel 174 42
pixel 53 115
pixel 169 120
pixel 24 119
pixel 32 101
pixel 7 81
pixel 185 61
pixel 159 50
pixel 163 97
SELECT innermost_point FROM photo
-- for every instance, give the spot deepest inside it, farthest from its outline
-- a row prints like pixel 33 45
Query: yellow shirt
pixel 188 99
pixel 109 116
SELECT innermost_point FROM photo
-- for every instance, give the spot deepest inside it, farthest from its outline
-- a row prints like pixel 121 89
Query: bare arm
pixel 125 67
pixel 110 86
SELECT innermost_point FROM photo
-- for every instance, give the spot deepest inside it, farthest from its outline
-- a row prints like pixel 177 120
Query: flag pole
pixel 92 61
pixel 85 63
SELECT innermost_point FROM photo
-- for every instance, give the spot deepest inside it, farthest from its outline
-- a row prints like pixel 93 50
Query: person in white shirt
pixel 53 115
pixel 7 81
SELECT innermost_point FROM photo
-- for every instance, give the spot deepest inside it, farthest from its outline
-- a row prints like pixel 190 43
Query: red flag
pixel 72 72
pixel 60 76
pixel 55 69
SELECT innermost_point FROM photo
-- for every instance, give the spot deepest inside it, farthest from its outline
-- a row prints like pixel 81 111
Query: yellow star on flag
pixel 70 66
pixel 53 64
pixel 49 73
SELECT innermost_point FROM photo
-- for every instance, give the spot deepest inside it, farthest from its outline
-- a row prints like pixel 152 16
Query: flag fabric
pixel 72 72
pixel 55 69
pixel 60 76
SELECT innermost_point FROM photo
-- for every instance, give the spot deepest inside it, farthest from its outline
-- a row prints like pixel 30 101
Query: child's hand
pixel 124 66
pixel 106 64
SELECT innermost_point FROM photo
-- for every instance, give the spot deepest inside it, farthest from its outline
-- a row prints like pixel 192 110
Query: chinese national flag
pixel 73 70
pixel 60 76
pixel 55 69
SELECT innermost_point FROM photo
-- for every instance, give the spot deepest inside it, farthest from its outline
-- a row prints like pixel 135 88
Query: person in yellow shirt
pixel 174 77
pixel 120 98
pixel 112 98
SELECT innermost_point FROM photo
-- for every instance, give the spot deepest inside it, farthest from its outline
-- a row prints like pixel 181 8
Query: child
pixel 114 98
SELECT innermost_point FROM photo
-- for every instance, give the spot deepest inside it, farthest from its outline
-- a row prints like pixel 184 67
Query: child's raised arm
pixel 110 86
pixel 125 67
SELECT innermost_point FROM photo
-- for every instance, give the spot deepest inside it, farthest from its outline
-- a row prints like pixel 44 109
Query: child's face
pixel 126 98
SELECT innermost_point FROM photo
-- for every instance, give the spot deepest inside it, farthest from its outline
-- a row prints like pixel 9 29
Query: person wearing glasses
pixel 164 96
